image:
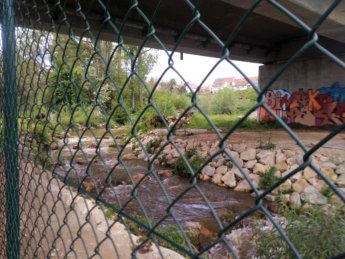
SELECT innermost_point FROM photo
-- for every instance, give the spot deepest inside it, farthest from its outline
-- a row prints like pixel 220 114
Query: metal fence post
pixel 10 129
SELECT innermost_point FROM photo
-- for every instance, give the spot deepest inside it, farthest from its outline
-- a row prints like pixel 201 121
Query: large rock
pixel 266 157
pixel 300 185
pixel 313 196
pixel 239 147
pixel 235 156
pixel 208 170
pixel 238 173
pixel 340 169
pixel 289 153
pixel 280 157
pixel 294 177
pixel 309 173
pixel 317 183
pixel 229 179
pixel 255 178
pixel 222 169
pixel 282 166
pixel 329 173
pixel 249 154
pixel 328 165
pixel 217 178
pixel 243 186
pixel 250 164
pixel 341 180
pixel 260 168
pixel 285 186
pixel 295 200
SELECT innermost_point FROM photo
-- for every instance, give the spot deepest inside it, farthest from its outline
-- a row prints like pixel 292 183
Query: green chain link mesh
pixel 71 154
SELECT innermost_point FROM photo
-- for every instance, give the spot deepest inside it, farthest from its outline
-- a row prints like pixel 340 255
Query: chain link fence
pixel 95 181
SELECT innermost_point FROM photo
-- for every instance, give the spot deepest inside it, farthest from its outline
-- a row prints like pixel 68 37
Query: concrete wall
pixel 305 74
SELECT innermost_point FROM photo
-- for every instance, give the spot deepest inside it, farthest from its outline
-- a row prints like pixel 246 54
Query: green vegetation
pixel 173 233
pixel 268 178
pixel 228 101
pixel 327 192
pixel 315 232
pixel 152 145
pixel 194 160
pixel 267 145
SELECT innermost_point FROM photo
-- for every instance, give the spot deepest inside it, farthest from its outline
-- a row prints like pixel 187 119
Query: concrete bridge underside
pixel 267 36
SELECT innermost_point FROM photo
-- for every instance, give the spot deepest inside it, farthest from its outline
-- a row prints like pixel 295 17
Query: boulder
pixel 340 169
pixel 222 170
pixel 235 156
pixel 217 178
pixel 309 173
pixel 295 200
pixel 328 165
pixel 238 173
pixel 229 179
pixel 255 178
pixel 289 153
pixel 260 168
pixel 266 157
pixel 329 173
pixel 280 157
pixel 296 176
pixel 243 186
pixel 250 164
pixel 291 160
pixel 300 185
pixel 285 186
pixel 249 154
pixel 341 181
pixel 317 183
pixel 208 170
pixel 313 196
pixel 282 166
pixel 239 147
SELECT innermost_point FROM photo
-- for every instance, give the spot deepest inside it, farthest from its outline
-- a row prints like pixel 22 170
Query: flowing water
pixel 163 196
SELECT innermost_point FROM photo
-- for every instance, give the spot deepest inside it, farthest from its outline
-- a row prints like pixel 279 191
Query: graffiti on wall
pixel 325 106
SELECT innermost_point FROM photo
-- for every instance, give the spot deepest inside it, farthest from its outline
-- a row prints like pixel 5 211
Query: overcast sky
pixel 194 68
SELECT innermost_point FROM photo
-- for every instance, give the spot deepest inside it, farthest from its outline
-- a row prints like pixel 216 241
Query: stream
pixel 164 196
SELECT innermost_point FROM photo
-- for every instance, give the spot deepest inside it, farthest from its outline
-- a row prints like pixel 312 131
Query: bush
pixel 316 233
pixel 152 145
pixel 228 101
pixel 268 178
pixel 194 160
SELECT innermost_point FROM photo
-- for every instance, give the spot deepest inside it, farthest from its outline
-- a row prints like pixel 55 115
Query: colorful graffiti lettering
pixel 325 106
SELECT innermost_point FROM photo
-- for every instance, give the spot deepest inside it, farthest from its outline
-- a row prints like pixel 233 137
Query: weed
pixel 268 178
pixel 136 228
pixel 316 234
pixel 194 160
pixel 173 233
pixel 152 145
pixel 267 145
pixel 111 214
pixel 327 192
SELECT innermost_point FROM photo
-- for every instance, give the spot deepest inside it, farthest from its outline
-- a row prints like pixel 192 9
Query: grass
pixel 171 232
pixel 268 178
pixel 316 233
pixel 225 121
pixel 267 145
pixel 152 145
pixel 194 160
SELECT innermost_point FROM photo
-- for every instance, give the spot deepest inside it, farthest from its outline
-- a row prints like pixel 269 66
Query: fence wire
pixel 83 192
